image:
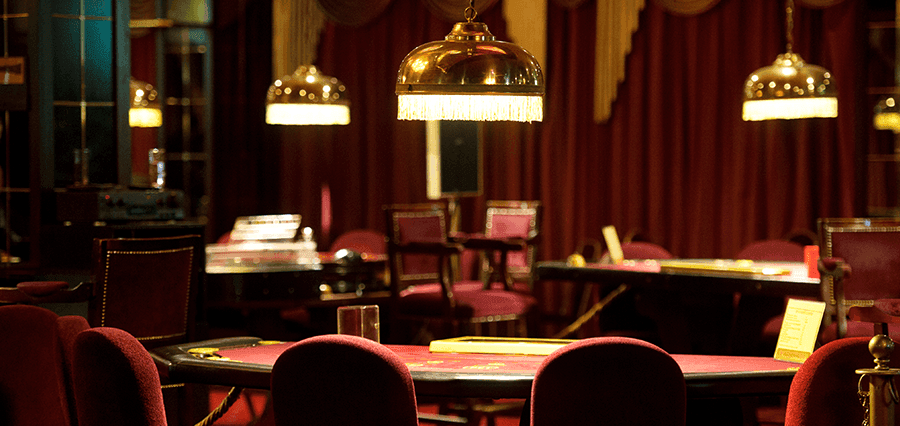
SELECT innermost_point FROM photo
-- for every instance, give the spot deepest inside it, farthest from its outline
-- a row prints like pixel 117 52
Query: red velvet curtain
pixel 675 159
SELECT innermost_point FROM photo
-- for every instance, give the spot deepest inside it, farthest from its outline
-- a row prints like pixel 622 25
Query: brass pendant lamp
pixel 789 88
pixel 145 110
pixel 307 97
pixel 887 114
pixel 470 76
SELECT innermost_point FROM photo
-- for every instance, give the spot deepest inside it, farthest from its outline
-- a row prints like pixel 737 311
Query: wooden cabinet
pixel 66 95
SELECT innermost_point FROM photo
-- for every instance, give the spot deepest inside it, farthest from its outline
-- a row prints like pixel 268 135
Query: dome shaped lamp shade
pixel 470 76
pixel 789 88
pixel 145 109
pixel 307 97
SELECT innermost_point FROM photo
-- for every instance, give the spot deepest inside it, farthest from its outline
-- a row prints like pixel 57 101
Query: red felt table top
pixel 419 358
pixel 247 362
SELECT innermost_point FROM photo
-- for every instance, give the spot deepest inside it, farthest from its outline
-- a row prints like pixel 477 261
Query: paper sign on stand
pixel 799 330
pixel 613 244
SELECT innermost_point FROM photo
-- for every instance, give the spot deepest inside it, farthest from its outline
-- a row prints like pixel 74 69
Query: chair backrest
pixel 147 286
pixel 353 381
pixel 116 380
pixel 69 326
pixel 609 380
pixel 363 241
pixel 515 219
pixel 34 386
pixel 872 249
pixel 645 250
pixel 772 250
pixel 824 390
pixel 426 222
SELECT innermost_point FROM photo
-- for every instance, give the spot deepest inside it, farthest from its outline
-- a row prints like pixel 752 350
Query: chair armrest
pixel 835 267
pixel 34 292
pixel 484 243
pixel 436 248
pixel 42 288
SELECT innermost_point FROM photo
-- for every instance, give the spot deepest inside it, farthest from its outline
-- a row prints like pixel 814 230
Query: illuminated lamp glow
pixel 520 108
pixel 769 109
pixel 144 117
pixel 307 114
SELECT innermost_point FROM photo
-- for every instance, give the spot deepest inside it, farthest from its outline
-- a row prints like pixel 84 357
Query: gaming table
pixel 668 284
pixel 247 362
pixel 694 275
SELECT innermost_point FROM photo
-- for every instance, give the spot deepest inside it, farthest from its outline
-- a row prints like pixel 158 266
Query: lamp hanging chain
pixel 471 13
pixel 789 13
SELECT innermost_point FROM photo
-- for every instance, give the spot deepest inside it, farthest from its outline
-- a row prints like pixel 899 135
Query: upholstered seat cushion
pixel 427 300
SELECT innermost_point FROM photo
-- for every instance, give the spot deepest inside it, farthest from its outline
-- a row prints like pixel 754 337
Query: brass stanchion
pixel 881 397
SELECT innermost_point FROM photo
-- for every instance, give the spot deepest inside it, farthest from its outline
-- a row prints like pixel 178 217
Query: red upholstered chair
pixel 870 247
pixel 772 250
pixel 147 286
pixel 68 327
pixel 518 224
pixel 824 390
pixel 362 241
pixel 620 316
pixel 761 315
pixel 645 250
pixel 609 380
pixel 342 380
pixel 116 381
pixel 35 389
pixel 422 284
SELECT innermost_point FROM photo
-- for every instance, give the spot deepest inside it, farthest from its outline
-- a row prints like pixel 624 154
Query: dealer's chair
pixel 870 248
pixel 362 241
pixel 772 250
pixel 617 309
pixel 757 315
pixel 116 381
pixel 146 286
pixel 353 381
pixel 609 381
pixel 422 284
pixel 824 390
pixel 35 378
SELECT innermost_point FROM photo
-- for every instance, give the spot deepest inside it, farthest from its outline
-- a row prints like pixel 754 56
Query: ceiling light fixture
pixel 470 76
pixel 307 97
pixel 789 88
pixel 145 109
pixel 887 114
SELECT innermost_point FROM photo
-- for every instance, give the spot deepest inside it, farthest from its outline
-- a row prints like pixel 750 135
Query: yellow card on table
pixel 498 345
pixel 799 330
pixel 613 244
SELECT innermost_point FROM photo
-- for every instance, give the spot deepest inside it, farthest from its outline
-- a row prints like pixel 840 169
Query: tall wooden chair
pixel 146 286
pixel 515 222
pixel 870 248
pixel 422 285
